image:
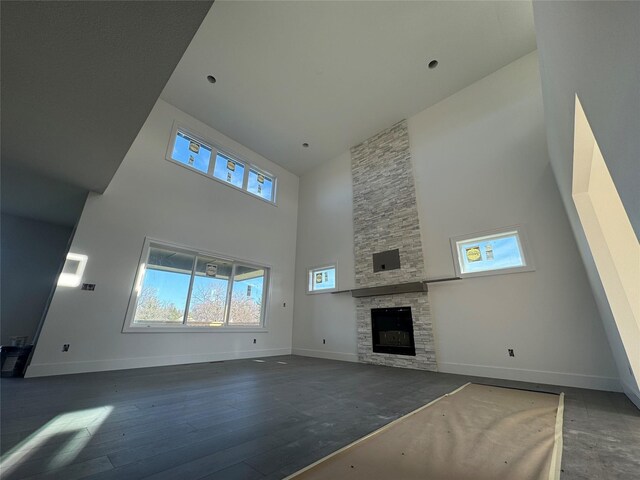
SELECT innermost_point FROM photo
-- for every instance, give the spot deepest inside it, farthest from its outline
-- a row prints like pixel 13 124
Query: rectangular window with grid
pixel 189 290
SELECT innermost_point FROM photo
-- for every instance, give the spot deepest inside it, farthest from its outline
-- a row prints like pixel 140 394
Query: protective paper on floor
pixel 477 432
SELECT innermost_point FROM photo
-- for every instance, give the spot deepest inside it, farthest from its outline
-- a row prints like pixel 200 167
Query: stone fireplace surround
pixel 385 217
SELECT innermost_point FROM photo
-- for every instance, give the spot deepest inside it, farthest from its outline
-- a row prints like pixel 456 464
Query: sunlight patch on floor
pixel 72 424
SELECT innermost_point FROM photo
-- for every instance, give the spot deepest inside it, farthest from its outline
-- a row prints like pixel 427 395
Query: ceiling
pixel 334 73
pixel 78 81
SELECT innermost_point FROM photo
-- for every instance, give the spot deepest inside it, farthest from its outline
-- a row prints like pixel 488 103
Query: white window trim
pixel 274 181
pixel 130 327
pixel 523 243
pixel 215 149
pixel 320 267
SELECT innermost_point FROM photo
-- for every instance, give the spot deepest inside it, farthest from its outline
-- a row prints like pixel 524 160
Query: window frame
pixel 260 171
pixel 324 266
pixel 130 327
pixel 198 138
pixel 215 149
pixel 235 160
pixel 523 244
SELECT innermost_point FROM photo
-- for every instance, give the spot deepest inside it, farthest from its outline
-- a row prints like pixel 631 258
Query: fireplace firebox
pixel 392 331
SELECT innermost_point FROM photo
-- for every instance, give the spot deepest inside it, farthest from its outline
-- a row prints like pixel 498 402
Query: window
pixel 260 184
pixel 210 291
pixel 228 170
pixel 190 150
pixel 322 279
pixel 178 289
pixel 72 270
pixel 246 295
pixel 165 287
pixel 490 253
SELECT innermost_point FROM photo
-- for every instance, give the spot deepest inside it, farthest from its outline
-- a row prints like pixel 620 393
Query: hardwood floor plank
pixel 239 471
pixel 44 458
pixel 205 442
pixel 77 470
pixel 244 419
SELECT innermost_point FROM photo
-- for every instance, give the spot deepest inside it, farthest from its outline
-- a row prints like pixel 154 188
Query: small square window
pixel 260 184
pixel 229 170
pixel 498 251
pixel 322 279
pixel 191 152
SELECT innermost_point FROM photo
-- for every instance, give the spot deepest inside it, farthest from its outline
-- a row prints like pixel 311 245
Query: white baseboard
pixel 577 380
pixel 345 357
pixel 47 369
pixel 632 393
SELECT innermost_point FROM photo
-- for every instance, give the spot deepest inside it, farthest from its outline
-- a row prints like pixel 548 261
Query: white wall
pixel 32 253
pixel 325 235
pixel 480 162
pixel 150 196
pixel 591 49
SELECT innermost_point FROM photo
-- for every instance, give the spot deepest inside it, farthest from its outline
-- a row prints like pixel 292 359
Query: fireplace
pixel 392 331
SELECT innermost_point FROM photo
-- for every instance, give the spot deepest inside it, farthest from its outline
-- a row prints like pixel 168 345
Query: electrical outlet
pixel 254 340
pixel 511 354
pixel 65 347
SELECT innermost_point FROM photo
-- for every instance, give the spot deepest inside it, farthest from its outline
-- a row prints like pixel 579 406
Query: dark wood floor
pixel 248 419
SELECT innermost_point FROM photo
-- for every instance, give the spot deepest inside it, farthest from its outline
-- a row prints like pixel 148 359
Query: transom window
pixel 260 184
pixel 322 279
pixel 489 253
pixel 190 290
pixel 192 151
pixel 229 170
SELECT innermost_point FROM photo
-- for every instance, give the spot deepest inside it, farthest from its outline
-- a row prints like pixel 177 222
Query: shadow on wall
pixel 31 253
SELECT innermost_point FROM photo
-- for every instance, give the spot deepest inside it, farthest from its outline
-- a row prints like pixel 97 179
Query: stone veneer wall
pixel 425 358
pixel 385 217
pixel 385 211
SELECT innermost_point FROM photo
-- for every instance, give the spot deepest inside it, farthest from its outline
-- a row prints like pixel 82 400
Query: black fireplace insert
pixel 392 331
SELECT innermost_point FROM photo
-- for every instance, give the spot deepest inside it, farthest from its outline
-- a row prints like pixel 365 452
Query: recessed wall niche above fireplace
pixel 389 260
pixel 392 331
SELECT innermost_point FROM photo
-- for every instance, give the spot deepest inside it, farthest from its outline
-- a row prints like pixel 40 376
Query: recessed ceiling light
pixel 433 64
pixel 305 145
pixel 211 79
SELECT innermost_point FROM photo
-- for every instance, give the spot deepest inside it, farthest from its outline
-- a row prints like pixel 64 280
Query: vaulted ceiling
pixel 334 73
pixel 79 78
